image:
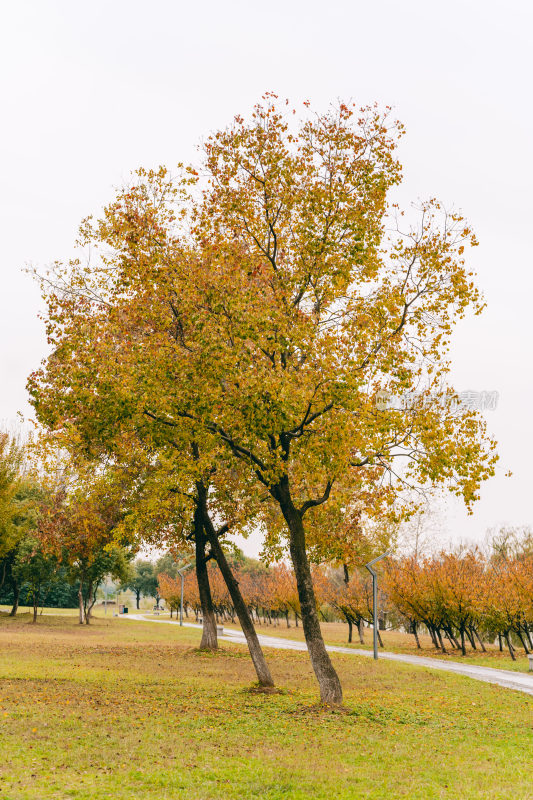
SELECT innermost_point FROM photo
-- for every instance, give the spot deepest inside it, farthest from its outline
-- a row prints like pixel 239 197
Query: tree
pixel 36 568
pixel 16 511
pixel 262 313
pixel 59 593
pixel 21 502
pixel 167 565
pixel 78 525
pixel 169 588
pixel 143 580
pixel 286 597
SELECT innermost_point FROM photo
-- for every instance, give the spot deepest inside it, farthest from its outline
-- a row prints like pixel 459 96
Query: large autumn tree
pixel 259 305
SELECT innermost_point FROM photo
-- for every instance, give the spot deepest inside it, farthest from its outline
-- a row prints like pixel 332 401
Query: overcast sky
pixel 93 90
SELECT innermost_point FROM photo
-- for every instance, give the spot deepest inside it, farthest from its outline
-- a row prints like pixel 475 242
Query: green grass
pixel 336 633
pixel 132 710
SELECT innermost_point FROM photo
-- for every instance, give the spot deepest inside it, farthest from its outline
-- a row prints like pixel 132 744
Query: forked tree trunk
pixel 328 680
pixel 433 636
pixel 256 653
pixel 209 630
pixel 449 637
pixel 471 639
pixel 454 638
pixel 91 600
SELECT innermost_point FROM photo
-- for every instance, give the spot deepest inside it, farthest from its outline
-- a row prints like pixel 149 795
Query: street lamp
pixel 374 574
pixel 180 573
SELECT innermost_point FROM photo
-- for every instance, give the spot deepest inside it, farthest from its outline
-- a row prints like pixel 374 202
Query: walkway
pixel 519 681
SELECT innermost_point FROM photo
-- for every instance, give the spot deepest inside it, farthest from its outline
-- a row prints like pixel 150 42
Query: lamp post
pixel 374 574
pixel 180 573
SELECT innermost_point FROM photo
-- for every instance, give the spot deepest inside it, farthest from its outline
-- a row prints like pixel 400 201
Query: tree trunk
pixel 524 645
pixel 209 630
pixel 35 606
pixel 361 630
pixel 484 649
pixel 89 603
pixel 256 653
pixel 80 604
pixel 350 627
pixel 138 599
pixel 471 638
pixel 287 618
pixel 463 648
pixel 328 680
pixel 16 598
pixel 510 646
pixel 433 636
pixel 450 639
pixel 414 631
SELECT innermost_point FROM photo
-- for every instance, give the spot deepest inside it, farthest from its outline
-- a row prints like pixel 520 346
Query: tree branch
pixel 318 502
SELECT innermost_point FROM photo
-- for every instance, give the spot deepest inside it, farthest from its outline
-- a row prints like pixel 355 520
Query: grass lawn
pixel 336 633
pixel 128 710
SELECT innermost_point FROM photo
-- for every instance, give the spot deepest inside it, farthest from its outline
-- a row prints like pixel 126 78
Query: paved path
pixel 520 681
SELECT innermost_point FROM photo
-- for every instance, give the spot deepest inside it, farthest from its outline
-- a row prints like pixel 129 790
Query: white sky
pixel 92 90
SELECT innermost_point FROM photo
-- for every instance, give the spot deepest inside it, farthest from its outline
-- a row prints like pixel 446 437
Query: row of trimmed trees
pixel 463 598
pixel 466 598
pixel 271 594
